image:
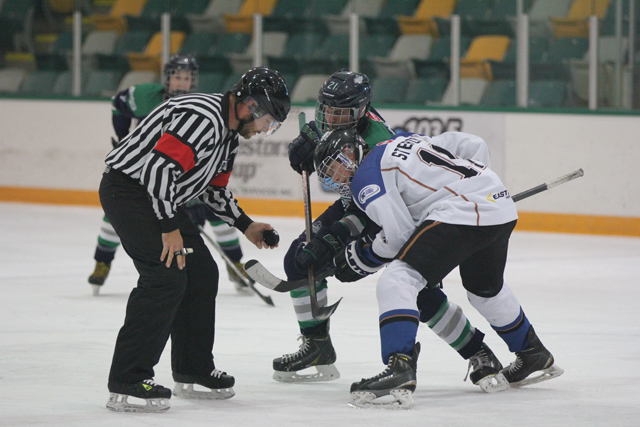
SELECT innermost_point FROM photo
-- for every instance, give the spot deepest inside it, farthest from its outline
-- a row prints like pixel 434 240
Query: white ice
pixel 56 339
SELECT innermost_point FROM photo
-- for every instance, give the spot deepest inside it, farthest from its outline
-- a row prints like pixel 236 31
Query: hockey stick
pixel 260 274
pixel 548 185
pixel 318 313
pixel 249 283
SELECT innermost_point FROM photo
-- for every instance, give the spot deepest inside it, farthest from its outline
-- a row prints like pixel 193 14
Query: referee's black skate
pixel 534 364
pixel 218 385
pixel 486 371
pixel 392 388
pixel 155 397
pixel 316 351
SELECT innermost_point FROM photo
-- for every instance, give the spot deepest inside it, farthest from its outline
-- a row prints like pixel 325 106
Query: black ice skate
pixel 155 397
pixel 218 385
pixel 398 381
pixel 485 371
pixel 99 275
pixel 316 351
pixel 534 364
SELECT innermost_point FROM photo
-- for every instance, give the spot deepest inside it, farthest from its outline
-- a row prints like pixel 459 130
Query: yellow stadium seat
pixel 150 59
pixel 483 49
pixel 115 21
pixel 576 23
pixel 243 21
pixel 422 20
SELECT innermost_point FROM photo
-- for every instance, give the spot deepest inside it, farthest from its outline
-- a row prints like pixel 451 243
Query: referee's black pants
pixel 166 301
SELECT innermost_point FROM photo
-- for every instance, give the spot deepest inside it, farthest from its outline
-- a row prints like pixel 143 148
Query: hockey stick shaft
pixel 319 313
pixel 232 266
pixel 548 185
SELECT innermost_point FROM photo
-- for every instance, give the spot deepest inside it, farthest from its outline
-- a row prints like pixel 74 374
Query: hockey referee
pixel 183 150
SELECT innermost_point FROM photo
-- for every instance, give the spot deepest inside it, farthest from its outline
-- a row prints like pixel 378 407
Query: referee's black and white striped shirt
pixel 183 149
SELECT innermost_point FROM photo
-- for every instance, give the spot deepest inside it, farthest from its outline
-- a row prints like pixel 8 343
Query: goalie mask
pixel 342 101
pixel 185 68
pixel 337 158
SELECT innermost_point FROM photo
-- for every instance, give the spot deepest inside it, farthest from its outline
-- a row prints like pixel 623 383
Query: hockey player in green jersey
pixel 128 107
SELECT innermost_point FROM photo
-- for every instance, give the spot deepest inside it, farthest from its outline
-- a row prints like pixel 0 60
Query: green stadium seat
pixel 499 93
pixel 422 90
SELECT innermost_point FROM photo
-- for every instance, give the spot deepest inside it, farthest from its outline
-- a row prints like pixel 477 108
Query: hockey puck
pixel 270 237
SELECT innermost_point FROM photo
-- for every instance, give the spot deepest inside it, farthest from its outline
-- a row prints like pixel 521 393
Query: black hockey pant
pixel 436 248
pixel 166 301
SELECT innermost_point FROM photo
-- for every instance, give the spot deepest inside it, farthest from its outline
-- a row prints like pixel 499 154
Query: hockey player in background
pixel 183 150
pixel 436 211
pixel 179 76
pixel 344 102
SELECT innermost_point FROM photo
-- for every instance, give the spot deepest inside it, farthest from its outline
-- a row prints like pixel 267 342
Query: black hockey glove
pixel 356 262
pixel 301 149
pixel 197 213
pixel 319 252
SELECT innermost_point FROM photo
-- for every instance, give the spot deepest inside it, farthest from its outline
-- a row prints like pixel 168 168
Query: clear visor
pixel 336 172
pixel 264 121
pixel 330 118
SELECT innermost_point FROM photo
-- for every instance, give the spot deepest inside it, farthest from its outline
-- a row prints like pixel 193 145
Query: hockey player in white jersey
pixel 437 212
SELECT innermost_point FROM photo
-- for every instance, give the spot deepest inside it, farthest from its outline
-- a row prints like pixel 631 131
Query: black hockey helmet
pixel 343 100
pixel 337 157
pixel 180 63
pixel 268 88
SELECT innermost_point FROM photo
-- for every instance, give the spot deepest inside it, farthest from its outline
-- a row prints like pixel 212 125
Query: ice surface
pixel 56 339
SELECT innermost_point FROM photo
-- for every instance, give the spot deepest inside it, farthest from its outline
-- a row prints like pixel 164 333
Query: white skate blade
pixel 539 376
pixel 95 289
pixel 493 383
pixel 322 373
pixel 396 399
pixel 187 391
pixel 120 403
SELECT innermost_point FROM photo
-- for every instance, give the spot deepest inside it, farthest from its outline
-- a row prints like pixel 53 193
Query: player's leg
pixel 152 304
pixel 316 350
pixel 193 331
pixel 397 292
pixel 108 242
pixel 483 277
pixel 228 238
pixel 437 249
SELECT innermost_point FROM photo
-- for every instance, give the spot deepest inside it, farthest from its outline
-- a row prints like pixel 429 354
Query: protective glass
pixel 330 118
pixel 337 170
pixel 263 120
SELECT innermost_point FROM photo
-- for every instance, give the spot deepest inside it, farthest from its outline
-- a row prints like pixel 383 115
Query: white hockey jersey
pixel 413 178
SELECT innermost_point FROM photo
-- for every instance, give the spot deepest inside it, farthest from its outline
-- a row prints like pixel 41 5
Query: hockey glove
pixel 356 262
pixel 197 213
pixel 319 252
pixel 301 149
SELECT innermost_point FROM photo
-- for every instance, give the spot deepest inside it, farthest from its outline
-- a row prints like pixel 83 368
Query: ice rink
pixel 56 340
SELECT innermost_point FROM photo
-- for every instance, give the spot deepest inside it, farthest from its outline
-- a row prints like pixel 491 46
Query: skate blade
pixel 539 376
pixel 120 403
pixel 396 399
pixel 493 383
pixel 95 289
pixel 187 391
pixel 322 373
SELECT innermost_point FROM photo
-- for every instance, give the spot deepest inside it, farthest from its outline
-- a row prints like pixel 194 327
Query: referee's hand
pixel 172 243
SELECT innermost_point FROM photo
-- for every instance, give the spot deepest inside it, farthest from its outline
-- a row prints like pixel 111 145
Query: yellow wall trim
pixel 529 221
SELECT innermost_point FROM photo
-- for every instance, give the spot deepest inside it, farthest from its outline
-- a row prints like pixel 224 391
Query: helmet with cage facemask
pixel 176 64
pixel 337 157
pixel 343 100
